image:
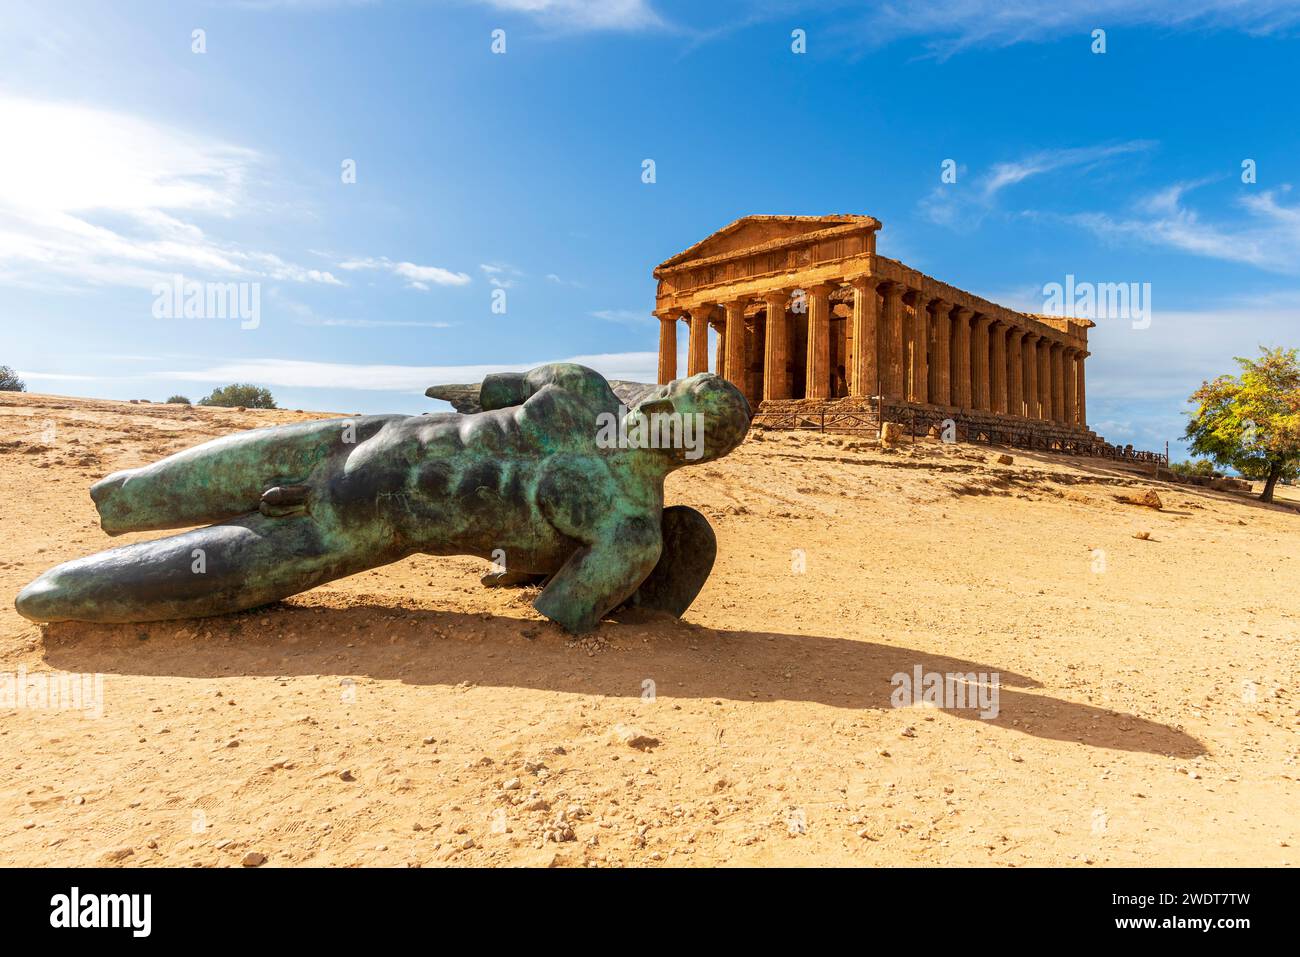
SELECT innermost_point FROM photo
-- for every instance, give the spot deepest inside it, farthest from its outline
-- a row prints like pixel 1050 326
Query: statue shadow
pixel 686 661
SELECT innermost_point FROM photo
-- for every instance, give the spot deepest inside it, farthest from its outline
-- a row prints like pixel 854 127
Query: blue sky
pixel 127 158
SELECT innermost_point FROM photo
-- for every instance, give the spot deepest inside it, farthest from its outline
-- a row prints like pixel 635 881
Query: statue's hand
pixel 600 576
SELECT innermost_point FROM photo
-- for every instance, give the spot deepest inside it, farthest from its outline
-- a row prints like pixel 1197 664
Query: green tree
pixel 240 393
pixel 9 381
pixel 1200 467
pixel 178 400
pixel 1251 422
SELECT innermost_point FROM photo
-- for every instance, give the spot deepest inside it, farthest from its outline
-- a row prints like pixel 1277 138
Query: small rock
pixel 346 776
pixel 118 854
pixel 253 859
pixel 1005 460
pixel 512 784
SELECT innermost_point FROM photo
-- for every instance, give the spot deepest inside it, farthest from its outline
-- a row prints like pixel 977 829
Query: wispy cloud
pixel 1265 235
pixel 93 197
pixel 501 275
pixel 417 277
pixel 964 204
pixel 625 317
pixel 951 26
pixel 584 14
pixel 303 374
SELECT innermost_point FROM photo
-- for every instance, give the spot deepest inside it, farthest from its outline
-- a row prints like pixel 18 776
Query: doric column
pixel 940 374
pixel 818 378
pixel 961 384
pixel 918 375
pixel 1015 372
pixel 776 347
pixel 1080 398
pixel 719 350
pixel 697 353
pixel 998 367
pixel 667 347
pixel 1029 358
pixel 733 338
pixel 1045 379
pixel 1058 383
pixel 864 368
pixel 894 380
pixel 980 363
pixel 1071 384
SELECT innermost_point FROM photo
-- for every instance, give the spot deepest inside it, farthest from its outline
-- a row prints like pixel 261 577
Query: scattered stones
pixel 1147 499
pixel 633 738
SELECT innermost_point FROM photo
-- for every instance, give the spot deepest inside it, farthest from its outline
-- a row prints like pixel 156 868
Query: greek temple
pixel 813 325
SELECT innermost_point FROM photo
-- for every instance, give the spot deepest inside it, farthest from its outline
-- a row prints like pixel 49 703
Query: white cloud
pixel 585 14
pixel 89 196
pixel 303 374
pixel 417 277
pixel 626 317
pixel 501 275
pixel 950 26
pixel 1266 235
pixel 963 205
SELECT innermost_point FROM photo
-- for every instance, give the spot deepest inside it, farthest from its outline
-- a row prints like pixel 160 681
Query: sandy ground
pixel 407 716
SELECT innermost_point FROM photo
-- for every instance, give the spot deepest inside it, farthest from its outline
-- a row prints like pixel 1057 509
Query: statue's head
pixel 694 420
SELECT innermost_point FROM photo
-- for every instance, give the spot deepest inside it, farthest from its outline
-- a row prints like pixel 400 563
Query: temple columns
pixel 998 368
pixel 1045 379
pixel 940 373
pixel 1080 400
pixel 918 373
pixel 1029 360
pixel 697 355
pixel 667 348
pixel 731 344
pixel 720 350
pixel 980 363
pixel 864 370
pixel 776 347
pixel 961 372
pixel 1058 383
pixel 1015 372
pixel 894 383
pixel 818 378
pixel 1071 384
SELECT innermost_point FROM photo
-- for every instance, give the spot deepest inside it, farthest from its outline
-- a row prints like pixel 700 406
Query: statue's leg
pixel 244 563
pixel 690 548
pixel 225 477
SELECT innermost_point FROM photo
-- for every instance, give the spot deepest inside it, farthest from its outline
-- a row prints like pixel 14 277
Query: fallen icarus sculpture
pixel 555 481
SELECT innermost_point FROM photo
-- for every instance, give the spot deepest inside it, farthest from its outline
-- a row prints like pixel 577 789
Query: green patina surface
pixel 542 482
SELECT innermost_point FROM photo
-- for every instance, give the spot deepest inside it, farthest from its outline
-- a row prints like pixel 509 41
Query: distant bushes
pixel 1203 467
pixel 9 381
pixel 240 393
pixel 179 400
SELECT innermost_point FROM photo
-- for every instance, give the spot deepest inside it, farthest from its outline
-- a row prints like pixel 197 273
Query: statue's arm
pixel 602 574
pixel 502 390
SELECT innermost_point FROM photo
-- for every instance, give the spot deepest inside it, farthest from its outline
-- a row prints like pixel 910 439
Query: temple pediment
pixel 751 232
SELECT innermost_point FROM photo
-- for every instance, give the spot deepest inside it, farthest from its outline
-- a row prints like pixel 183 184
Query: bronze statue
pixel 555 480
